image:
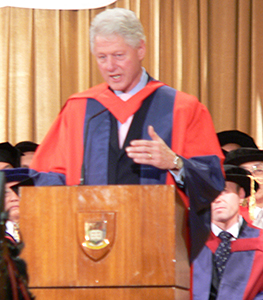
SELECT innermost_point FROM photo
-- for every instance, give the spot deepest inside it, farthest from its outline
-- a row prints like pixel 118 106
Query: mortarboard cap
pixel 243 155
pixel 236 137
pixel 26 146
pixel 240 177
pixel 10 154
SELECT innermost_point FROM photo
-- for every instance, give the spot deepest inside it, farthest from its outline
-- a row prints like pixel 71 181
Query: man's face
pixel 118 62
pixel 256 168
pixel 5 165
pixel 26 159
pixel 12 202
pixel 225 207
pixel 230 146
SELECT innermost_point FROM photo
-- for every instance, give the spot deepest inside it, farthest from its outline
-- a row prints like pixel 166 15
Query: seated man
pixel 230 265
pixel 14 178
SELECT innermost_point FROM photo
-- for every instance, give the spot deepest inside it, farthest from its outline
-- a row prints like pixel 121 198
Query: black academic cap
pixel 236 137
pixel 20 175
pixel 243 155
pixel 10 154
pixel 224 152
pixel 240 177
pixel 26 146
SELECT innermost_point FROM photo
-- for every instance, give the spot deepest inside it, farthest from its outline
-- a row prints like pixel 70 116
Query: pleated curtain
pixel 212 49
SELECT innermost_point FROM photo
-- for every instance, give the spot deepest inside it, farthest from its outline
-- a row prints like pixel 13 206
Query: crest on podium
pixel 96 233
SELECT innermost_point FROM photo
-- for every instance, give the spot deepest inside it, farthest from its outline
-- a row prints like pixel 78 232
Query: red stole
pixel 121 110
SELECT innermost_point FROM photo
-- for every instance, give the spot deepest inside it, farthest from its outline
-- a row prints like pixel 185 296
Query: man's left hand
pixel 153 152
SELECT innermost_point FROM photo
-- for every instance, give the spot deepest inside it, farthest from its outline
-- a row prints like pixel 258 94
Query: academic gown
pixel 178 118
pixel 243 275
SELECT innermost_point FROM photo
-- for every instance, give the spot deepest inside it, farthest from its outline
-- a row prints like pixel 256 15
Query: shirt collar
pixel 9 226
pixel 234 229
pixel 140 85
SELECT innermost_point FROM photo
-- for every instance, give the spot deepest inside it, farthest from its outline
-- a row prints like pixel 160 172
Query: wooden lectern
pixel 120 242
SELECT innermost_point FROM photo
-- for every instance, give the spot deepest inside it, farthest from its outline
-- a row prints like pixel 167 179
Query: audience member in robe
pixel 15 178
pixel 240 274
pixel 252 160
pixel 27 149
pixel 234 139
pixel 9 156
pixel 13 268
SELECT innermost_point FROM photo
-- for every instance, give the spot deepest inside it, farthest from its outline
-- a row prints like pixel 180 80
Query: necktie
pixel 222 253
pixel 124 128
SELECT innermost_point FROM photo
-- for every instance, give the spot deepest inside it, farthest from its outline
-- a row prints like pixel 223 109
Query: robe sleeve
pixel 203 182
pixel 193 132
pixel 193 128
pixel 64 140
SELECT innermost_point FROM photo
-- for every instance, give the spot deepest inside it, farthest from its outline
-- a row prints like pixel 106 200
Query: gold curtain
pixel 209 48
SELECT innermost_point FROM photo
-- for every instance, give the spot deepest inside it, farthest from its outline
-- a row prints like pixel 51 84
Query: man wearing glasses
pixel 252 160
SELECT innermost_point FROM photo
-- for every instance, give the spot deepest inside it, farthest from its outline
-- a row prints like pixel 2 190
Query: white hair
pixel 119 21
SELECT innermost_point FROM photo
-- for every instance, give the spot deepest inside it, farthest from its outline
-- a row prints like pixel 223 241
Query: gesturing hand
pixel 155 152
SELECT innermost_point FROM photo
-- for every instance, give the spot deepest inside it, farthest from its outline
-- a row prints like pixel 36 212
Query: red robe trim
pixel 121 110
pixel 243 210
pixel 243 244
pixel 249 260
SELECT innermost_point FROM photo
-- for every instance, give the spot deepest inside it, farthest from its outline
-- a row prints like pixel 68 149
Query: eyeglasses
pixel 256 170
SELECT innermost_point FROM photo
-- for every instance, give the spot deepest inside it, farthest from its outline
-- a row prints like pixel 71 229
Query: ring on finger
pixel 150 156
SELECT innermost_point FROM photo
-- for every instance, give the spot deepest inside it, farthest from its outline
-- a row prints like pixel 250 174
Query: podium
pixel 105 242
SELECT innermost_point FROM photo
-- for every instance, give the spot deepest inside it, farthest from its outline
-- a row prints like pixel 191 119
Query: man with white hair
pixel 135 140
pixel 132 129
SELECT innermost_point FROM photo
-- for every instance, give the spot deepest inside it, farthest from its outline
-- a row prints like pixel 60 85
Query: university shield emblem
pixel 96 233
